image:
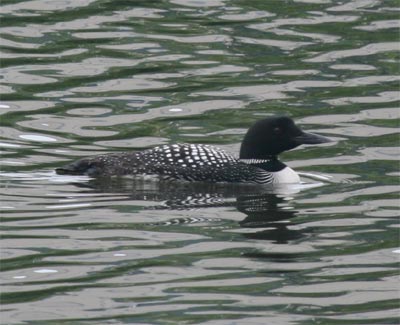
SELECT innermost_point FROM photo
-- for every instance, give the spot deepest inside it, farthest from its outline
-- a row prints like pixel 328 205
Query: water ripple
pixel 88 76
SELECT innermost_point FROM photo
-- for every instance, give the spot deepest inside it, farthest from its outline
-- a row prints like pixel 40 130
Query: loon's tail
pixel 80 167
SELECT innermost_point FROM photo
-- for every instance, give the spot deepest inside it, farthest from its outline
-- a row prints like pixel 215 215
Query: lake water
pixel 86 77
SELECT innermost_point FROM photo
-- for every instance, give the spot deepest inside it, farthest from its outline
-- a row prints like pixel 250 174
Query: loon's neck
pixel 270 164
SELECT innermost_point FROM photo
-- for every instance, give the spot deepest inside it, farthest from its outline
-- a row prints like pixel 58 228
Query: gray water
pixel 86 77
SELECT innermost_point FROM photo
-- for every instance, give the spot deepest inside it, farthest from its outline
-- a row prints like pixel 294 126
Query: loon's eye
pixel 277 130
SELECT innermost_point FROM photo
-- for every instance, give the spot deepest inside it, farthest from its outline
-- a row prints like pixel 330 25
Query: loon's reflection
pixel 271 212
pixel 265 207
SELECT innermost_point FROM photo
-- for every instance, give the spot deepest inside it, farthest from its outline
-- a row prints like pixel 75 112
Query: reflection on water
pixel 154 245
pixel 266 207
pixel 88 77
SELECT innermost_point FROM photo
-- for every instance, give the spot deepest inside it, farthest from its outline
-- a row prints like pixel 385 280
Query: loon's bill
pixel 311 138
pixel 258 161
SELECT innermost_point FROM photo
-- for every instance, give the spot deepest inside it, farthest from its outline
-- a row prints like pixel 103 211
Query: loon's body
pixel 257 163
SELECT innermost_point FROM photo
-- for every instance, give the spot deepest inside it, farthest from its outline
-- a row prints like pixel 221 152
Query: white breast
pixel 285 176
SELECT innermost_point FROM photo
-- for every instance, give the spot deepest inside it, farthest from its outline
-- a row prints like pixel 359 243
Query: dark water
pixel 88 76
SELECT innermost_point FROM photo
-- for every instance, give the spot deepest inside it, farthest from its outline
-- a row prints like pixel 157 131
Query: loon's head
pixel 273 135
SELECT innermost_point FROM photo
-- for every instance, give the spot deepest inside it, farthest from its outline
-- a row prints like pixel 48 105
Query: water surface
pixel 87 77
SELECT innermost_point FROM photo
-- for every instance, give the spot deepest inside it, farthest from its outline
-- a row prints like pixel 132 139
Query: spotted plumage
pixel 188 162
pixel 258 162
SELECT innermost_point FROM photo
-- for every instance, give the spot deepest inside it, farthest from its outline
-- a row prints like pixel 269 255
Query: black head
pixel 273 135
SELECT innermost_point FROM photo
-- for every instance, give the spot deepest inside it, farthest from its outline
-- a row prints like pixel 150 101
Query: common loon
pixel 258 160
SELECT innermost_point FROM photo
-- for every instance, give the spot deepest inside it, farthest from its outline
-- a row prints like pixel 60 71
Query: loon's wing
pixel 189 162
pixel 177 161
